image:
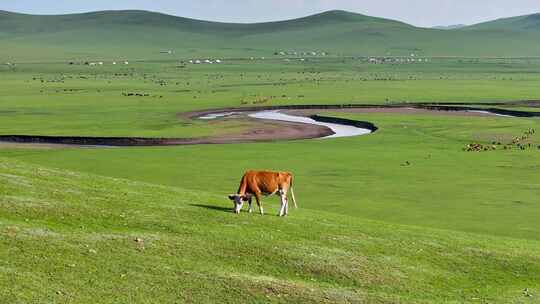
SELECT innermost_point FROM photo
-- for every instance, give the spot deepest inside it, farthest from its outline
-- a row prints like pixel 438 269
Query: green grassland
pixel 153 225
pixel 62 99
pixel 493 192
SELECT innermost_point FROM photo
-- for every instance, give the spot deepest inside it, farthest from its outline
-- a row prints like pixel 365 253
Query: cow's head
pixel 238 201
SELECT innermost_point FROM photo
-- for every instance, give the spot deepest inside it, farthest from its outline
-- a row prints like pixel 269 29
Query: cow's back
pixel 265 181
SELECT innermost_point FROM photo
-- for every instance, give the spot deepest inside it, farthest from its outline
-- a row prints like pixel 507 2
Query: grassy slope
pixel 137 34
pixel 72 237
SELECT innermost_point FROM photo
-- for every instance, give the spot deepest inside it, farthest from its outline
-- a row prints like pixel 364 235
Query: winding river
pixel 338 129
pixel 293 127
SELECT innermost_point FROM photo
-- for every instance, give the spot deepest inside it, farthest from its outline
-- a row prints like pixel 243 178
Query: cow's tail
pixel 292 194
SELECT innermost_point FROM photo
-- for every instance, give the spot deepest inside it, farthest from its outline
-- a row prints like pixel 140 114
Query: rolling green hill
pixel 28 24
pixel 520 23
pixel 142 35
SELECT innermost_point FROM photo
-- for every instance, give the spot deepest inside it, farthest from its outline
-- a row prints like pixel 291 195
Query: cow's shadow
pixel 216 208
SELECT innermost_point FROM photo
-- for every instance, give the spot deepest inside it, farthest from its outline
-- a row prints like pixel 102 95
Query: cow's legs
pixel 286 187
pixel 282 210
pixel 250 210
pixel 286 206
pixel 259 203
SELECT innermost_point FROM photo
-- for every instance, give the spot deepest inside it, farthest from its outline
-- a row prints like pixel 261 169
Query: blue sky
pixel 417 12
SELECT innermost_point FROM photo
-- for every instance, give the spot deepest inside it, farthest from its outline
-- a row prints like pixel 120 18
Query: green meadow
pixel 445 187
pixel 403 215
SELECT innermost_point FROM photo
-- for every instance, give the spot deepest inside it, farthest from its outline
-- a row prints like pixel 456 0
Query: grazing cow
pixel 259 183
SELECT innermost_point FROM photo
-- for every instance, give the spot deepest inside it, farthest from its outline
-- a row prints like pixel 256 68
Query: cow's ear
pixel 232 197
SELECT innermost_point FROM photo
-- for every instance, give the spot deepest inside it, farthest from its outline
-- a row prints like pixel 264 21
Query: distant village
pixel 412 58
pixel 287 56
pixel 205 61
pixel 395 60
pixel 299 53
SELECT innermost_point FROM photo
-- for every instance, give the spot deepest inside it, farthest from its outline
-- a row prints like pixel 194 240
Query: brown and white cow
pixel 259 183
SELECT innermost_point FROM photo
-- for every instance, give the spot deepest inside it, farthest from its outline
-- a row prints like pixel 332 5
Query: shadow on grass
pixel 216 208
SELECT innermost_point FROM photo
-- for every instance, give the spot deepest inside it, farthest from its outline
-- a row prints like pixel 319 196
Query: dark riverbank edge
pixel 458 107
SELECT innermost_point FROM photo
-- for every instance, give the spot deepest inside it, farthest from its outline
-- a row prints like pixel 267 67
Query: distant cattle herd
pixel 518 142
